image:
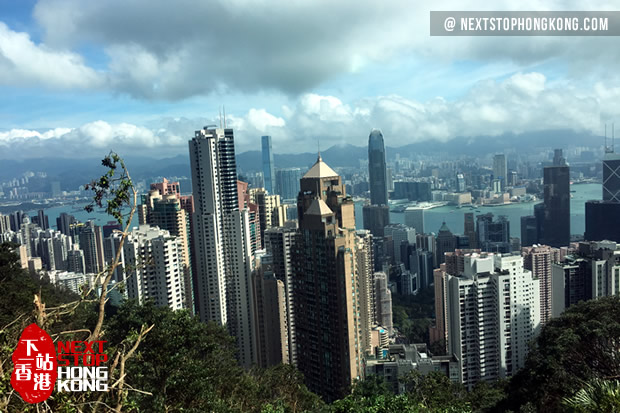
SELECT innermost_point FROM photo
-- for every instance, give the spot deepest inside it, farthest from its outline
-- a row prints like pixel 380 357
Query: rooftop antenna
pixel 224 115
pixel 613 138
pixel 220 117
pixel 318 145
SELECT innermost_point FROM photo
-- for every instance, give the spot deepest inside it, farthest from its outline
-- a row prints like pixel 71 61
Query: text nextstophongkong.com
pixel 524 23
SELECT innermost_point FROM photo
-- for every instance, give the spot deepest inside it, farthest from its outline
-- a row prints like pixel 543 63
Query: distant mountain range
pixel 73 172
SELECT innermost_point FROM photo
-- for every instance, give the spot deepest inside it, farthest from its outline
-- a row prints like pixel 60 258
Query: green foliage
pixel 431 393
pixel 596 396
pixel 113 188
pixel 581 345
pixel 412 314
pixel 189 365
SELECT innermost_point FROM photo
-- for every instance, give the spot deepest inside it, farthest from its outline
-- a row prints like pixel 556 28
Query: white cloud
pixel 524 102
pixel 159 49
pixel 22 62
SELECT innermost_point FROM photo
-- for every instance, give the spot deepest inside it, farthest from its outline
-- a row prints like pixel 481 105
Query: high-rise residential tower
pixel 151 258
pixel 269 175
pixel 165 212
pixel 377 169
pixel 222 287
pixel 329 330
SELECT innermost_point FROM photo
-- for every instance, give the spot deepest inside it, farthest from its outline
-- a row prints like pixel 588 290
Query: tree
pixel 596 396
pixel 581 345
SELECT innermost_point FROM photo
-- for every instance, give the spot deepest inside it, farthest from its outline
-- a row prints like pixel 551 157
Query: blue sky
pixel 143 74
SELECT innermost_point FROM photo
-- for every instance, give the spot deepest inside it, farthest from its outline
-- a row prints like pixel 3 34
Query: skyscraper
pixel 603 217
pixel 414 218
pixel 529 230
pixel 492 316
pixel 493 236
pixel 166 213
pixel 611 177
pixel 222 288
pixel 469 229
pixel 152 265
pixel 279 243
pixel 269 176
pixel 376 168
pixel 376 217
pixel 287 182
pixel 329 331
pixel 500 169
pixel 539 259
pixel 556 219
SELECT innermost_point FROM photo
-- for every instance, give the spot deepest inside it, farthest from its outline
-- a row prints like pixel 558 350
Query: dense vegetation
pixel 186 365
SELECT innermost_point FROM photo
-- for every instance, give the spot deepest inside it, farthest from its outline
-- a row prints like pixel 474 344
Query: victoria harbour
pixel 453 216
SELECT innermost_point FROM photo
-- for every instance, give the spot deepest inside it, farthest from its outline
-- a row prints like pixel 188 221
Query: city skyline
pixel 122 85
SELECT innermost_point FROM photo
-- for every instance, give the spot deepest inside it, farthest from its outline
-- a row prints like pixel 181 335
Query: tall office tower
pixel 602 221
pixel 270 315
pixel 414 218
pixel 446 242
pixel 270 212
pixel 44 221
pixel 287 182
pixel 592 271
pixel 5 223
pixel 16 218
pixel 365 268
pixel 390 179
pixel 91 242
pixel 75 260
pixel 383 302
pixel 460 183
pixel 538 259
pixel 64 222
pixel 55 189
pixel 500 169
pixel 279 243
pixel 603 217
pixel 469 229
pixel 556 219
pixel 558 158
pixel 152 267
pixel 328 328
pixel 419 264
pixel 492 316
pixel 376 169
pixel 493 236
pixel 376 218
pixel 269 176
pixel 165 212
pixel 398 233
pixel 611 176
pixel 529 230
pixel 222 288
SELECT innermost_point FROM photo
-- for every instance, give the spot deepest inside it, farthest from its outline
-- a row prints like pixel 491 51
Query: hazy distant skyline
pixel 143 75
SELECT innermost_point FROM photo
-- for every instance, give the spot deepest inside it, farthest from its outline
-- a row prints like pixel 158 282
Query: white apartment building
pixel 493 312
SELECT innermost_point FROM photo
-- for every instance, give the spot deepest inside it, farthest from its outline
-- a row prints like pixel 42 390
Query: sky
pixel 140 76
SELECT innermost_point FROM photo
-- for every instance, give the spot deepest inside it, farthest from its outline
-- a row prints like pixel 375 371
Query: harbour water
pixel 433 218
pixel 454 217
